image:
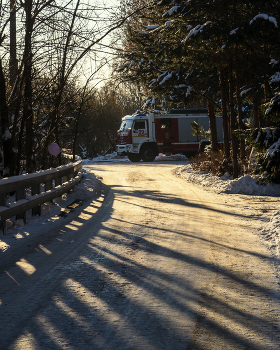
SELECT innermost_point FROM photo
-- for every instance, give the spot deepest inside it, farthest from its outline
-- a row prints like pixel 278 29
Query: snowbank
pixel 225 184
pixel 113 157
pixel 88 188
pixel 267 213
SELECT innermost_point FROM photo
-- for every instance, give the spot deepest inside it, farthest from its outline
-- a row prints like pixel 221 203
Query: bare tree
pixel 56 42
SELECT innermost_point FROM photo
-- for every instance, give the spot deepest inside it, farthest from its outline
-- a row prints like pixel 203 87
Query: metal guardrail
pixel 43 186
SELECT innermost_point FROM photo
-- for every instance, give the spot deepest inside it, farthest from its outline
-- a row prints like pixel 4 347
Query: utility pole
pixel 13 43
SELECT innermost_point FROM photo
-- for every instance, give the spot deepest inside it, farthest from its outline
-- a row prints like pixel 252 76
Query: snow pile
pixel 152 26
pixel 112 157
pixel 88 188
pixel 163 157
pixel 272 231
pixel 167 77
pixel 115 158
pixel 265 17
pixel 271 234
pixel 172 11
pixel 199 28
pixel 270 153
pixel 225 184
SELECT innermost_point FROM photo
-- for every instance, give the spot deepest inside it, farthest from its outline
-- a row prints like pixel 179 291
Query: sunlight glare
pixel 103 310
pixel 44 249
pixel 3 246
pixel 76 223
pixel 79 320
pixel 147 299
pixel 26 341
pixel 87 213
pixel 82 321
pixel 26 266
pixel 72 227
pixel 84 216
pixel 56 335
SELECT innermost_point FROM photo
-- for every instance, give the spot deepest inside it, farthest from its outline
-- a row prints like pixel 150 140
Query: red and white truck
pixel 144 136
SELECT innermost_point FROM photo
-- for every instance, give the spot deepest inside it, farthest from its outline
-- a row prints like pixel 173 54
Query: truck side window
pixel 139 125
pixel 166 123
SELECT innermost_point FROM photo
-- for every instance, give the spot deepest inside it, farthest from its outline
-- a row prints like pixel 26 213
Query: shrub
pixel 213 162
pixel 266 143
pixel 217 164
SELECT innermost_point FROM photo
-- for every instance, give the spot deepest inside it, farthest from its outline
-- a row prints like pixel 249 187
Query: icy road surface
pixel 153 263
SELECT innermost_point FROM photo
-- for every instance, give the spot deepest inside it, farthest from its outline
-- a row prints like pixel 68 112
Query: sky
pixel 263 206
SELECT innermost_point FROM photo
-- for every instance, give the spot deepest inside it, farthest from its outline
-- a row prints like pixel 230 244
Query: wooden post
pixel 58 181
pixel 49 186
pixel 3 227
pixel 36 189
pixel 21 194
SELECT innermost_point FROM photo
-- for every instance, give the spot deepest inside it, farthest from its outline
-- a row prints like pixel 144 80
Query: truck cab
pixel 135 138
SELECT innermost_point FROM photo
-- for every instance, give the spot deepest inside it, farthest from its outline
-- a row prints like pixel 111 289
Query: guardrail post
pixel 70 176
pixel 58 181
pixel 36 189
pixel 48 185
pixel 21 194
pixel 3 226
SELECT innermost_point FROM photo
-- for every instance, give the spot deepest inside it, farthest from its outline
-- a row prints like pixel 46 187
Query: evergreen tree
pixel 215 49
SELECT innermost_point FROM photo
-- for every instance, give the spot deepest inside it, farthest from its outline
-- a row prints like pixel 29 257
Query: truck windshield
pixel 126 125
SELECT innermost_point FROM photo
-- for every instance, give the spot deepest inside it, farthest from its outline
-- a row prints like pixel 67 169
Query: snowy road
pixel 153 263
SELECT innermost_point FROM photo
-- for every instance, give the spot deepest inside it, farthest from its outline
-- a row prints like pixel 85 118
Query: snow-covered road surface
pixel 154 262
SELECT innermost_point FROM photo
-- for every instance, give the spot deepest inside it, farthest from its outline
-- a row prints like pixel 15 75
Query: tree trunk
pixel 256 111
pixel 240 112
pixel 77 128
pixel 20 145
pixel 213 128
pixel 27 105
pixel 4 114
pixel 17 142
pixel 57 141
pixel 75 140
pixel 234 146
pixel 224 114
pixel 13 43
pixel 267 93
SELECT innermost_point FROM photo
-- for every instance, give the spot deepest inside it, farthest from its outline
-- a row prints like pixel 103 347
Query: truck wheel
pixel 134 157
pixel 148 154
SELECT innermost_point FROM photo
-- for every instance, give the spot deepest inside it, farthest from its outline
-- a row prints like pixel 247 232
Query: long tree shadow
pixel 114 319
pixel 101 297
pixel 168 199
pixel 203 239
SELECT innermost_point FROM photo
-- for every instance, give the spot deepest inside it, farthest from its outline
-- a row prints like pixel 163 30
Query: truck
pixel 145 135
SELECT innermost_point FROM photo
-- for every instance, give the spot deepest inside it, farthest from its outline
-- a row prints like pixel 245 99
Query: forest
pixel 219 54
pixel 70 70
pixel 55 86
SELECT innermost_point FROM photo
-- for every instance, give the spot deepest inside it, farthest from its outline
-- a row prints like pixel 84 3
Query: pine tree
pixel 207 48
